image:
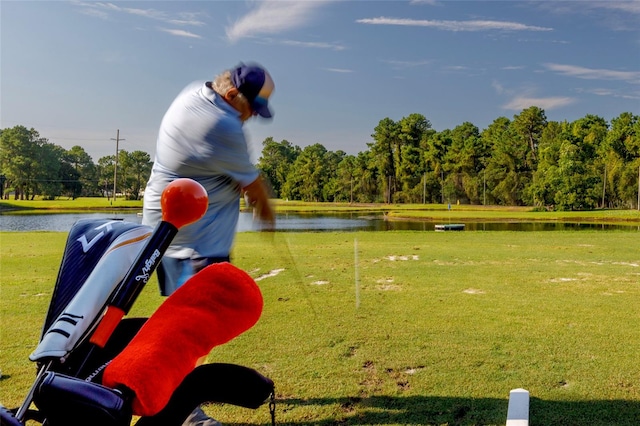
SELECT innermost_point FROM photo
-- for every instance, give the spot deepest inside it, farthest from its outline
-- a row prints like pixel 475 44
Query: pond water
pixel 62 222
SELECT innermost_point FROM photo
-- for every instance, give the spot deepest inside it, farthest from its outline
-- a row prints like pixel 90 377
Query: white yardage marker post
pixel 357 277
pixel 518 411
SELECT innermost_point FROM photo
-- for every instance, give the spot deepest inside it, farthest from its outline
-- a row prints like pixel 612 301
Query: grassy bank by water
pixel 425 328
pixel 430 212
pixel 65 204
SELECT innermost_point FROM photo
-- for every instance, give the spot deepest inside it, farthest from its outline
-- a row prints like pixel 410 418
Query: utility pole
pixel 484 187
pixel 442 185
pixel 351 197
pixel 115 168
pixel 604 185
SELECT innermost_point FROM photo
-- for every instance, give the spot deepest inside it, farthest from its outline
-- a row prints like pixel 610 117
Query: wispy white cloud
pixel 186 22
pixel 540 40
pixel 499 88
pixel 103 10
pixel 599 92
pixel 571 7
pixel 635 95
pixel 611 93
pixel 594 73
pixel 102 5
pixel 189 18
pixel 94 13
pixel 456 68
pixel 624 6
pixel 617 15
pixel 524 97
pixel 522 102
pixel 180 33
pixel 145 13
pixel 513 67
pixel 429 2
pixel 627 6
pixel 274 17
pixel 339 70
pixel 313 44
pixel 474 25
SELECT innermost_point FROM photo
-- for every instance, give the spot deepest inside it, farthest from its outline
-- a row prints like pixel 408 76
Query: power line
pixel 54 128
pixel 38 127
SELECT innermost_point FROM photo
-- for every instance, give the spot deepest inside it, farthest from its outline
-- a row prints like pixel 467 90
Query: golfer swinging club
pixel 201 138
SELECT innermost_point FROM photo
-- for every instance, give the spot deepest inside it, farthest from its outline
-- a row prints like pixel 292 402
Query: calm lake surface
pixel 62 222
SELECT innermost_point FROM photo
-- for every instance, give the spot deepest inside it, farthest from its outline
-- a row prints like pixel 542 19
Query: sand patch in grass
pixel 271 273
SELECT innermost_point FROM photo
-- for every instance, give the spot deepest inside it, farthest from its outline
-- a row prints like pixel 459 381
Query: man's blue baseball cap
pixel 255 83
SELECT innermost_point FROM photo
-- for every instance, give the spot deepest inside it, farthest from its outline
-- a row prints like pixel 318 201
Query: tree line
pixel 32 166
pixel 524 161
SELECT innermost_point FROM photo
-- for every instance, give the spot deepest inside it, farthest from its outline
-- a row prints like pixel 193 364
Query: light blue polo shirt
pixel 201 138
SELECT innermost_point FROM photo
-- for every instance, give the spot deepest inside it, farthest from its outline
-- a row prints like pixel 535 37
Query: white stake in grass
pixel 518 411
pixel 355 262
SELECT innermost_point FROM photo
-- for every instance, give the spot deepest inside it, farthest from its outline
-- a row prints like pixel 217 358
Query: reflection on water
pixel 62 222
pixel 56 221
pixel 516 226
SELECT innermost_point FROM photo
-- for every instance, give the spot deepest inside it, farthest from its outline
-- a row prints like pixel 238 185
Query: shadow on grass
pixel 426 410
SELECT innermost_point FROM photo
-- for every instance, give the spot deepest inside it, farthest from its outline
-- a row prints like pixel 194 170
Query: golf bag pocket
pixel 69 401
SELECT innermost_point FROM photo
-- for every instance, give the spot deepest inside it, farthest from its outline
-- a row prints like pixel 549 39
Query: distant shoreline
pixel 390 212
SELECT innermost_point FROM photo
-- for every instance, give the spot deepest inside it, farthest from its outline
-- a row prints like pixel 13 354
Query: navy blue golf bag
pixel 105 265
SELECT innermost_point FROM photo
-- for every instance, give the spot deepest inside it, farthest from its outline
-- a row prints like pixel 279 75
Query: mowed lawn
pixel 402 328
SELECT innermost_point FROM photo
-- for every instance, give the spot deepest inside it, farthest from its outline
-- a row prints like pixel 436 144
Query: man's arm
pixel 256 194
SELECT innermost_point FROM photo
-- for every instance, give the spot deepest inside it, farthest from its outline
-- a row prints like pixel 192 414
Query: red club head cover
pixel 212 307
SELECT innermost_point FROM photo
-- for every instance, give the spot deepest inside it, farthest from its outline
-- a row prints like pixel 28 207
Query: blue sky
pixel 77 71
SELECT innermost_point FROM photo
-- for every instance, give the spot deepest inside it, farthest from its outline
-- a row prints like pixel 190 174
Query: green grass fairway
pixel 428 328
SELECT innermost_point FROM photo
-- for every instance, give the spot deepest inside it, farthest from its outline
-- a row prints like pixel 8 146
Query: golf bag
pixel 96 366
